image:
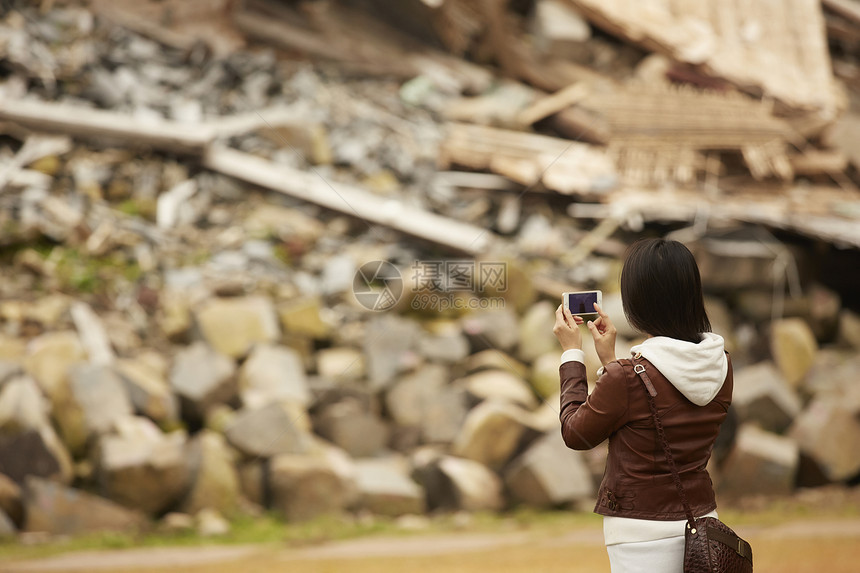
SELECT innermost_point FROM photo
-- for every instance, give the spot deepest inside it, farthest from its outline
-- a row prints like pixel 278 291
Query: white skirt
pixel 661 555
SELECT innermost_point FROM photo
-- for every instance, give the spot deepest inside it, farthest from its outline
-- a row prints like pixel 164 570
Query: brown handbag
pixel 710 545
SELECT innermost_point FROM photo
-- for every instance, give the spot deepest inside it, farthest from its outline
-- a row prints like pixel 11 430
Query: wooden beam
pixel 350 200
pixel 79 121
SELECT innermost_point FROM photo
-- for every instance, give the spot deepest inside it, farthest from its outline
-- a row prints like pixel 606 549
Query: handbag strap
pixel 652 392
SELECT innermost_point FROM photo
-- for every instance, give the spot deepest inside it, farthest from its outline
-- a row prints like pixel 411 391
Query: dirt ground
pixel 796 546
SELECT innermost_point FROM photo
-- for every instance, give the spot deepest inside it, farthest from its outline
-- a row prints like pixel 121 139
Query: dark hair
pixel 661 290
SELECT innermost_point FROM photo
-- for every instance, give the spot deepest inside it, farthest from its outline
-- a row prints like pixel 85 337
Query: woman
pixel 661 293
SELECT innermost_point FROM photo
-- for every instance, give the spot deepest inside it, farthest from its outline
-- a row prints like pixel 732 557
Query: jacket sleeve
pixel 588 420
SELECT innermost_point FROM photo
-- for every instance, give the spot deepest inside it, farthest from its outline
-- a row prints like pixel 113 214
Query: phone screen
pixel 581 302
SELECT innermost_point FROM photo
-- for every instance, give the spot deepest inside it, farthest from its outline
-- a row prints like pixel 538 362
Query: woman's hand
pixel 566 329
pixel 604 333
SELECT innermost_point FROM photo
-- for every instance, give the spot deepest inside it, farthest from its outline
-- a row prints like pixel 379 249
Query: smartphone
pixel 582 303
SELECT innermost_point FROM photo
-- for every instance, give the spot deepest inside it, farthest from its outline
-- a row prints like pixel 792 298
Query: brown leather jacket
pixel 637 482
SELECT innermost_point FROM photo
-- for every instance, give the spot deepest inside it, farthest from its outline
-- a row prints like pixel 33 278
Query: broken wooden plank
pixel 845 8
pixel 553 103
pixel 85 122
pixel 350 200
pixel 529 159
pixel 741 42
pixel 818 162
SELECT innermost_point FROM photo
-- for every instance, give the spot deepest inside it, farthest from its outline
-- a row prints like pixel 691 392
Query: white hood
pixel 696 370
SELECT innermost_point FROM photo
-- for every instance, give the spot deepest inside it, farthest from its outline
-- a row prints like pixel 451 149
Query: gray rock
pixel 142 468
pixel 389 346
pixel 232 326
pixel 497 328
pixel 307 486
pixel 448 348
pixel 549 474
pixel 492 433
pixel 834 373
pixel 58 510
pixel 338 274
pixel 760 463
pixel 148 390
pixel 273 373
pixel 92 334
pixel 100 395
pixel 499 385
pixel 385 488
pixel 423 400
pixel 535 330
pixel 214 479
pixel 828 432
pixel 202 378
pixel 268 431
pixel 176 522
pixel 762 395
pixel 351 426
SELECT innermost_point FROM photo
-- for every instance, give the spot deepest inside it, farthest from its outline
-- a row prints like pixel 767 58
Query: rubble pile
pixel 185 226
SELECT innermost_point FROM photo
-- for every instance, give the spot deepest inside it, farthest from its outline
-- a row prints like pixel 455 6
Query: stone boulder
pixel 445 343
pixel 232 326
pixel 35 452
pixel 202 378
pixel 100 396
pixel 495 359
pixel 544 374
pixel 849 329
pixel 549 474
pixel 834 373
pixel 271 374
pixel 453 483
pixel 760 463
pixel 535 331
pixel 318 483
pixel 492 433
pixel 141 468
pixel 22 406
pixel 495 328
pixel 49 357
pixel 828 432
pixel 58 510
pixel 500 385
pixel 763 396
pixel 11 501
pixel 341 364
pixel 353 427
pixel 426 402
pixel 385 488
pixel 213 476
pixel 278 428
pixel 7 526
pixel 793 347
pixel 210 523
pixel 390 348
pixel 303 317
pixel 92 334
pixel 148 390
